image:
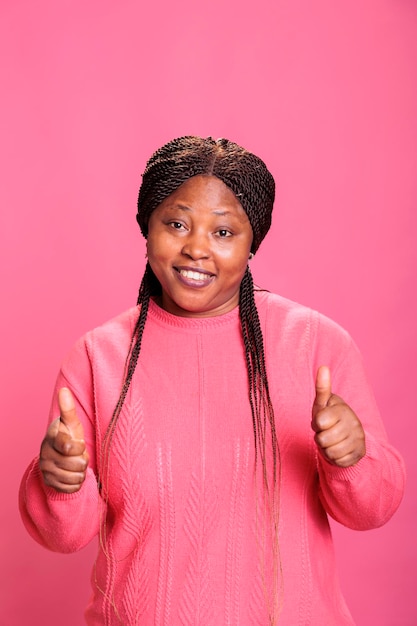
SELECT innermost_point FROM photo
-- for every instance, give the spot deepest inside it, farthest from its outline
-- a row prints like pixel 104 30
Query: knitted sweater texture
pixel 182 500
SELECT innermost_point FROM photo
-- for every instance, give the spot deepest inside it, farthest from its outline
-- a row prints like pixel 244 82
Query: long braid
pixel 259 397
pixel 134 349
pixel 263 419
pixel 148 287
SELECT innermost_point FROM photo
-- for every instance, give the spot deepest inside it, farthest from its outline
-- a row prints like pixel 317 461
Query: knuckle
pixel 46 478
pixel 67 448
pixel 322 439
pixel 331 454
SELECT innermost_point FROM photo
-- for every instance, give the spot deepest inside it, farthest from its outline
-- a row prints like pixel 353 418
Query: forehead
pixel 205 193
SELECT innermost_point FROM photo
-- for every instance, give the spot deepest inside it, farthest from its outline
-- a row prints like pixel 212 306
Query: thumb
pixel 323 387
pixel 68 415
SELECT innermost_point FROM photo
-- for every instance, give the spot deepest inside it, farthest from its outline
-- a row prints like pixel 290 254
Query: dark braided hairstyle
pixel 253 185
pixel 243 172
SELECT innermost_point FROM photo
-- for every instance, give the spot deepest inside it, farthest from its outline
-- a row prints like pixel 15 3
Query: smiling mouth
pixel 193 277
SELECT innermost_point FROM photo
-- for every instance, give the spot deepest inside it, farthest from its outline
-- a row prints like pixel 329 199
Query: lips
pixel 194 277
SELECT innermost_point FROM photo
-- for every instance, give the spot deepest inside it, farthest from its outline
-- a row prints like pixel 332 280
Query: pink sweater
pixel 181 525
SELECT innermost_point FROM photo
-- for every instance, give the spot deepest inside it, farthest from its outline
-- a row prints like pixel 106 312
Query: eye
pixel 176 225
pixel 224 233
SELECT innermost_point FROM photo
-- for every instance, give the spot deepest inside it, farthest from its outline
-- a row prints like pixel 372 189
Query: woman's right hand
pixel 64 458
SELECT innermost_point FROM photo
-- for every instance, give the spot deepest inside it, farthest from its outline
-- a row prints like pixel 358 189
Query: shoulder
pixel 116 327
pixel 272 304
pixel 281 316
pixel 110 340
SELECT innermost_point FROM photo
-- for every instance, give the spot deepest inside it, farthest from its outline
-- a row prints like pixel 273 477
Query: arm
pixel 361 477
pixel 59 499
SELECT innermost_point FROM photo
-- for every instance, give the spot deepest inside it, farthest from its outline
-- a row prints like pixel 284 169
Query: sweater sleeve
pixel 367 494
pixel 58 521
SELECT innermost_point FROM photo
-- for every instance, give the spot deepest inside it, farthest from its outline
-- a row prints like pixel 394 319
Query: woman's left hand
pixel 339 436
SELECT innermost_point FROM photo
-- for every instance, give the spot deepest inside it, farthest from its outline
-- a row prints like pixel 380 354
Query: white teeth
pixel 193 275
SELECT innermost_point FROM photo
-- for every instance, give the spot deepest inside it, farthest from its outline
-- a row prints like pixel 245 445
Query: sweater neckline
pixel 197 323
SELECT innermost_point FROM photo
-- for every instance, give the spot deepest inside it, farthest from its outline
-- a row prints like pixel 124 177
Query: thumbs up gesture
pixel 63 458
pixel 339 434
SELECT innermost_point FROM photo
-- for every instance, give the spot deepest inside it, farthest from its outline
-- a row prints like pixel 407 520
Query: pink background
pixel 326 93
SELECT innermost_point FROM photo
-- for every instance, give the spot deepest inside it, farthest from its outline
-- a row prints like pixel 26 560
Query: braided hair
pixel 243 172
pixel 253 185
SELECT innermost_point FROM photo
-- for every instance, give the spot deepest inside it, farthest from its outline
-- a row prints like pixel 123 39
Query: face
pixel 199 241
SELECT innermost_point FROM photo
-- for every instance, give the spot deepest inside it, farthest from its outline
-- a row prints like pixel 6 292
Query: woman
pixel 199 435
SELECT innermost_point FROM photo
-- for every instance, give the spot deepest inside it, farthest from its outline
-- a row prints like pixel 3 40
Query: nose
pixel 196 246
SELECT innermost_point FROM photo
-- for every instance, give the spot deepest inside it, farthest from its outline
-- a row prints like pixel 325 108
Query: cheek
pixel 156 258
pixel 237 257
pixel 158 248
pixel 234 268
